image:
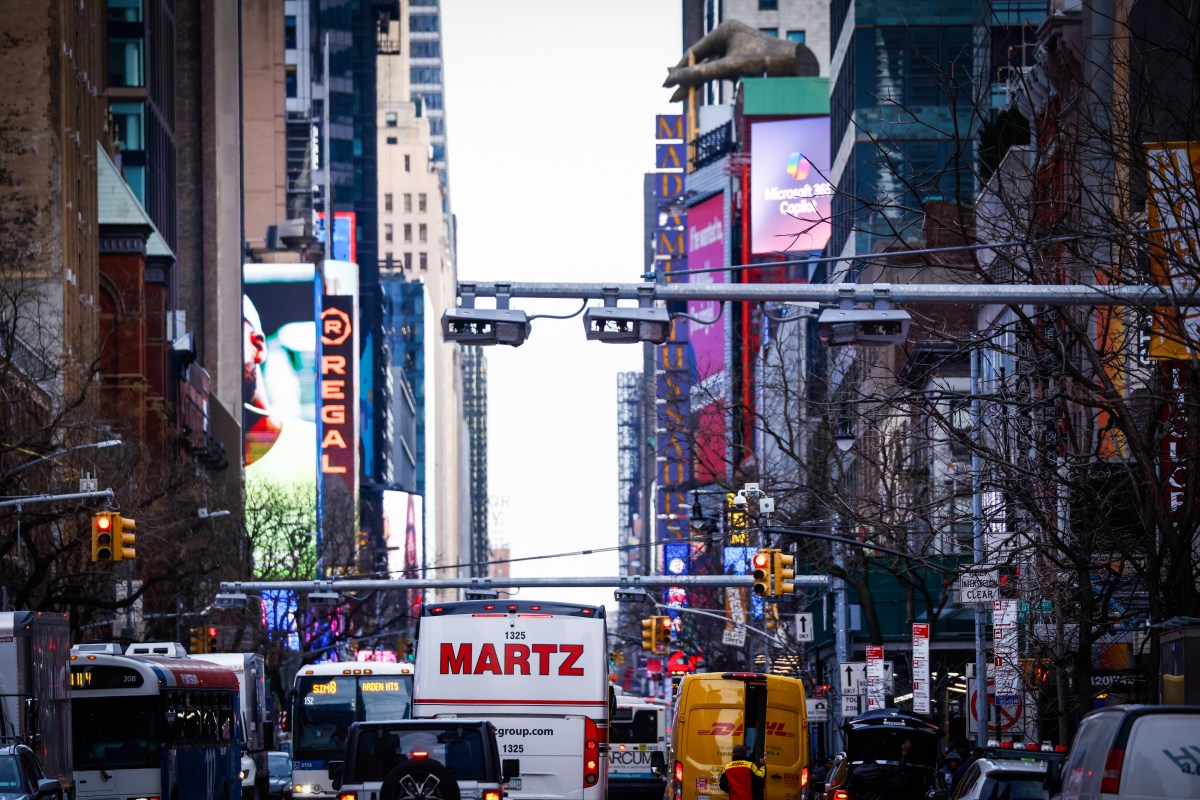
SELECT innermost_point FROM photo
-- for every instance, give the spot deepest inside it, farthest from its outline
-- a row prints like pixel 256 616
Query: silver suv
pixel 420 759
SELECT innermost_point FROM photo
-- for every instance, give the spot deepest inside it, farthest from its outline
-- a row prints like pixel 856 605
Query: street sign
pixel 850 704
pixel 1001 718
pixel 734 636
pixel 920 667
pixel 875 690
pixel 853 677
pixel 818 709
pixel 804 627
pixel 979 587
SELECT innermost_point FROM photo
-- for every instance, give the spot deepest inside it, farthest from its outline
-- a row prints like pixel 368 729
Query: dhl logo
pixel 729 729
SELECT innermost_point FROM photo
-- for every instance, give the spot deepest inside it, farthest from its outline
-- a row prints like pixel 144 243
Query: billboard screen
pixel 790 192
pixel 706 250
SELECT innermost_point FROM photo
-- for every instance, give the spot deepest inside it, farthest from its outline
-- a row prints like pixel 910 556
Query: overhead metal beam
pixel 834 294
pixel 624 582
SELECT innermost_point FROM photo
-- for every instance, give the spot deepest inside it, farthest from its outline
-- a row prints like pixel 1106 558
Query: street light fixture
pixel 622 325
pixel 470 325
pixel 231 600
pixel 57 453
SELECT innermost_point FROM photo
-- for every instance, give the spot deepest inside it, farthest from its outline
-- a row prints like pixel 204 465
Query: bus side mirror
pixel 335 773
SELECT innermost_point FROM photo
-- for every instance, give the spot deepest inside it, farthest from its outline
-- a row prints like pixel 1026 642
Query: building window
pixel 407 163
pixel 408 233
pixel 422 23
pixel 394 140
pixel 390 259
pixel 125 65
pixel 391 119
pixel 423 75
pixel 124 11
pixel 289 81
pixel 796 36
pixel 432 100
pixel 437 126
pixel 407 203
pixel 387 233
pixel 387 202
pixel 423 233
pixel 424 260
pixel 289 32
pixel 422 204
pixel 426 49
pixel 408 261
pixel 768 5
pixel 769 31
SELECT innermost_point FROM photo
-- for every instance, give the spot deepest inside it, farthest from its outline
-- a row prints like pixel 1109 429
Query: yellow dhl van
pixel 715 711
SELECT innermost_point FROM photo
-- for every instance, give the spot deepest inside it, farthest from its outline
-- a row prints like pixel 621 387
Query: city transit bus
pixel 539 672
pixel 715 711
pixel 326 699
pixel 637 749
pixel 153 727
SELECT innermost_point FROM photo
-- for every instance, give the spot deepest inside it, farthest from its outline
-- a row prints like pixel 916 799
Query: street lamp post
pixel 57 453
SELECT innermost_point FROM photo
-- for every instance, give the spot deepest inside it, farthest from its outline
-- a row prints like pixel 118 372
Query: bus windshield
pixel 326 707
pixel 641 726
pixel 115 733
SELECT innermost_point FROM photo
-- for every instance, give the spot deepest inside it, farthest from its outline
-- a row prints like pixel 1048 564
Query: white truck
pixel 35 689
pixel 539 673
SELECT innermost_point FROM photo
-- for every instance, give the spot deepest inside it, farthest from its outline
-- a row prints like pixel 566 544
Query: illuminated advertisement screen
pixel 345 233
pixel 789 185
pixel 676 561
pixel 706 250
pixel 736 561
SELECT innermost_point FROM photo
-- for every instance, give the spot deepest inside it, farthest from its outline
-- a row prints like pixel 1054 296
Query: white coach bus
pixel 539 672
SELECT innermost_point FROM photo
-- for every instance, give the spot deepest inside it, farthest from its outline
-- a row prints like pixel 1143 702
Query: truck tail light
pixel 804 777
pixel 841 794
pixel 591 753
pixel 348 796
pixel 1110 781
pixel 491 795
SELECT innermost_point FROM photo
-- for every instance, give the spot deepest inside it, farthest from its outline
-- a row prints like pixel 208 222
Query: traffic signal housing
pixel 196 640
pixel 783 570
pixel 662 639
pixel 125 538
pixel 648 633
pixel 212 641
pixel 102 536
pixel 763 563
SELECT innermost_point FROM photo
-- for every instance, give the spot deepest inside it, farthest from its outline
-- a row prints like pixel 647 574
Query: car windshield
pixel 10 776
pixel 279 764
pixel 887 745
pixel 1014 787
pixel 380 750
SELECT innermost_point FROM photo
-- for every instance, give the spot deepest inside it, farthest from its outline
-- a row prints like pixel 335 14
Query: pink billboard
pixel 790 203
pixel 706 250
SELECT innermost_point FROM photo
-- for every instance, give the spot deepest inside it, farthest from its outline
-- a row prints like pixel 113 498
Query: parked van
pixel 715 711
pixel 1135 752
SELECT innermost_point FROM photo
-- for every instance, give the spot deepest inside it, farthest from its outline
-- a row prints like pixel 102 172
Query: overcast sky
pixel 550 111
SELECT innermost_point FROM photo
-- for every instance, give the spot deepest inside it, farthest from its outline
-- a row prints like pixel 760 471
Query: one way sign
pixel 853 677
pixel 804 627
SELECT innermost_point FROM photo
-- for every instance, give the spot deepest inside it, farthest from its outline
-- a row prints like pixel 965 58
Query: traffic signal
pixel 124 536
pixel 783 568
pixel 762 563
pixel 102 536
pixel 663 639
pixel 648 633
pixel 196 641
pixel 212 641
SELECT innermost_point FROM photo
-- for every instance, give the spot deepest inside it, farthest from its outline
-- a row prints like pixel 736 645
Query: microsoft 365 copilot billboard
pixel 789 185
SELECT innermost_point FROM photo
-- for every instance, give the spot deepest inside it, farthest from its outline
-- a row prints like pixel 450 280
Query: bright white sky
pixel 550 109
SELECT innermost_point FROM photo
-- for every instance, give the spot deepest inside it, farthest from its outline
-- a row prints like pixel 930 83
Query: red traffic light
pixel 212 632
pixel 103 522
pixel 762 559
pixel 666 622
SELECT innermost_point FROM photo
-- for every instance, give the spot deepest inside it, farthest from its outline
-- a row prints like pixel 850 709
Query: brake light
pixel 491 795
pixel 347 796
pixel 804 777
pixel 419 754
pixel 1110 782
pixel 591 753
pixel 841 794
pixel 679 772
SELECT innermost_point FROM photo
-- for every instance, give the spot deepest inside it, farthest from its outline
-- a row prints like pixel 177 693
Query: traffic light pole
pixel 50 498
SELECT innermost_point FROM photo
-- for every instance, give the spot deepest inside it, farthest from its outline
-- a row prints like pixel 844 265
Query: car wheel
pixel 419 779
